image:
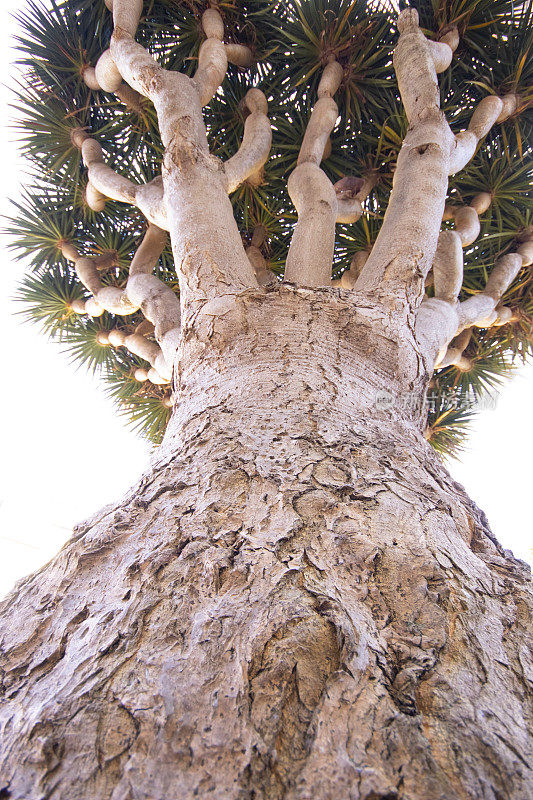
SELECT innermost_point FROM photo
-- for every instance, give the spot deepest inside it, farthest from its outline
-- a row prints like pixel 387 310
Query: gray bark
pixel 295 603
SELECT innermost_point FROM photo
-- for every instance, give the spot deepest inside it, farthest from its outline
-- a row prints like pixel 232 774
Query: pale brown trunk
pixel 296 602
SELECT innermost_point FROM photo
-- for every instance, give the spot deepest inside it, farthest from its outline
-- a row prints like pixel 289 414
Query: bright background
pixel 65 452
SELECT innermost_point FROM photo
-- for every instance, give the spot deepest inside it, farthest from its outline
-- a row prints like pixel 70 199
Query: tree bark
pixel 296 602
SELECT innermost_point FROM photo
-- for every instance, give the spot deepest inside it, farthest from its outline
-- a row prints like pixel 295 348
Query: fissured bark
pixel 295 603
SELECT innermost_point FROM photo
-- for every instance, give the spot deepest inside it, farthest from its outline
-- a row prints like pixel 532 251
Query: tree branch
pixel 124 92
pixel 479 310
pixel 105 76
pixel 106 73
pixel 208 250
pixel 212 59
pixel 441 318
pixel 448 262
pixel 126 14
pixel 143 291
pixel 174 95
pixel 407 242
pixel 405 247
pixel 156 300
pixel 465 144
pixel 239 54
pixel 351 193
pixel 265 276
pixel 257 140
pixel 311 250
pixel 448 267
pixel 106 183
pixel 490 110
pixel 454 354
pixel 140 346
pixel 349 276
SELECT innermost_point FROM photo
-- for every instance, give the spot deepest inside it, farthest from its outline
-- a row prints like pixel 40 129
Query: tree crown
pixel 284 48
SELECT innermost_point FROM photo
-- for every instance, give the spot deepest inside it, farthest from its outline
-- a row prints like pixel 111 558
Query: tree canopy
pixel 280 47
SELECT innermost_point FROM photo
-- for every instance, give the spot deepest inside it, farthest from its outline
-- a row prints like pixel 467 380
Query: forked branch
pixel 105 183
pixel 441 319
pixel 143 291
pixel 490 110
pixel 210 258
pixel 407 244
pixel 405 247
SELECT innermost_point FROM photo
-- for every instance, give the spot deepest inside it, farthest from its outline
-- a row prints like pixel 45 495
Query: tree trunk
pixel 297 602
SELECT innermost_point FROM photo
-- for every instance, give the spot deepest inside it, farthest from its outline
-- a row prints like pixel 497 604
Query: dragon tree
pixel 295 239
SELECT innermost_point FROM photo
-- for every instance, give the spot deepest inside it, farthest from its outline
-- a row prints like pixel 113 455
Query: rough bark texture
pixel 295 603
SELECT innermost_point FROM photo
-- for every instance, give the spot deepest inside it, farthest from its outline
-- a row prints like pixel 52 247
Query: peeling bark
pixel 295 602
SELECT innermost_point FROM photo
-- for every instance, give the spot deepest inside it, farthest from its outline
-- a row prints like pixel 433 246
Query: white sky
pixel 66 453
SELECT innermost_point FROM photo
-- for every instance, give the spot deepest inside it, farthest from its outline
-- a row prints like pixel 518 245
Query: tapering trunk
pixel 295 602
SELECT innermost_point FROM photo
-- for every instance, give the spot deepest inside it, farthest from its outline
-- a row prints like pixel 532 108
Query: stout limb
pixel 208 251
pixel 311 250
pixel 405 247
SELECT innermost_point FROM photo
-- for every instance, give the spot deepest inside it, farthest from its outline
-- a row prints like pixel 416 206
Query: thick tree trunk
pixel 296 602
